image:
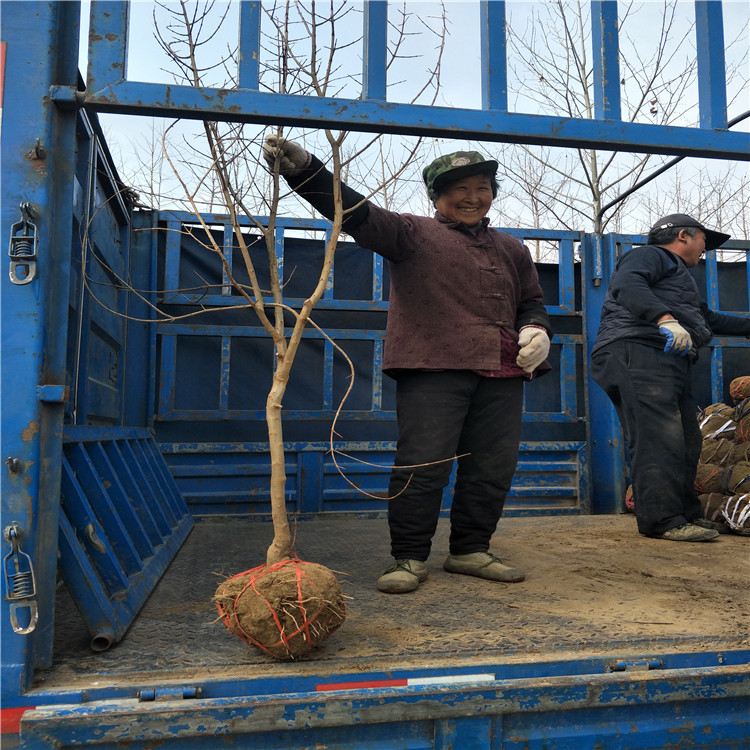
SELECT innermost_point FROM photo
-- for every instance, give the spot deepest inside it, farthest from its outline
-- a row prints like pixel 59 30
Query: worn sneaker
pixel 705 523
pixel 482 565
pixel 689 532
pixel 403 576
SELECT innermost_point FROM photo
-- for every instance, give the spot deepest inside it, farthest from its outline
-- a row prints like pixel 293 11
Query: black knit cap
pixel 713 239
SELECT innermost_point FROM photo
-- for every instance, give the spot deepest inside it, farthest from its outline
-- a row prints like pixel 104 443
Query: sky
pixel 460 73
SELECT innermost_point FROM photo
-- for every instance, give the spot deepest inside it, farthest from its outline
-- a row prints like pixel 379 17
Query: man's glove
pixel 292 158
pixel 678 339
pixel 534 348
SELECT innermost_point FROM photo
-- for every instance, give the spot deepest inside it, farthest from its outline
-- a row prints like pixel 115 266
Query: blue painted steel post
pixel 605 49
pixel 249 45
pixel 38 147
pixel 712 88
pixel 494 55
pixel 375 34
pixel 606 458
pixel 108 43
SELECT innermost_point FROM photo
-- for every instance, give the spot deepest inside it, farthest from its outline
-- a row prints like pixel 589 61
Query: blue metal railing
pixel 108 90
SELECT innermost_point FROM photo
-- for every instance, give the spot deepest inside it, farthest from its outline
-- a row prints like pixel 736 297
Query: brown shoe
pixel 689 532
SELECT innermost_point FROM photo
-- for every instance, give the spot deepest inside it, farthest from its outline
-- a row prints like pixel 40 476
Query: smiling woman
pixel 459 375
pixel 462 185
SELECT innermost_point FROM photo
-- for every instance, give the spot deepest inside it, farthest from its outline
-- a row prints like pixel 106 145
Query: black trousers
pixel 652 393
pixel 442 415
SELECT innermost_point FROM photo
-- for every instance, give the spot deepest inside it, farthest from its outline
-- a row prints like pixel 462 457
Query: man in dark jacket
pixel 466 327
pixel 653 323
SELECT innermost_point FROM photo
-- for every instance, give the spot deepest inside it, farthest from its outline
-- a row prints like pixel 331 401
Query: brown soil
pixel 286 609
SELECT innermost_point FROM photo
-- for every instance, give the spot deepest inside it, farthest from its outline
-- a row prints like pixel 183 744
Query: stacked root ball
pixel 723 477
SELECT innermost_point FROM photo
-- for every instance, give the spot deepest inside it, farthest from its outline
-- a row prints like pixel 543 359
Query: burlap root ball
pixel 742 431
pixel 735 479
pixel 717 451
pixel 719 423
pixel 739 452
pixel 717 408
pixel 712 505
pixel 739 388
pixel 708 479
pixel 286 609
pixel 736 512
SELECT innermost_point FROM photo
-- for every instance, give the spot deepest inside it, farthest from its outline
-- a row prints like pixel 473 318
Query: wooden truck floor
pixel 593 586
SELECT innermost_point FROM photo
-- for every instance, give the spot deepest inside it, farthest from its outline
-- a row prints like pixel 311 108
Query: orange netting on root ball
pixel 739 388
pixel 286 609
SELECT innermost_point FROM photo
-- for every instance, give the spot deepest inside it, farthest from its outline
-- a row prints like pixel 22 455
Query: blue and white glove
pixel 678 339
pixel 533 345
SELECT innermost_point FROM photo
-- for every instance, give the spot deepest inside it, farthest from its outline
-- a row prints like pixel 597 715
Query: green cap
pixel 456 166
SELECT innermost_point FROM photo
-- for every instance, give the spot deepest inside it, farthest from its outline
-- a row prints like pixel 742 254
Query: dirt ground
pixel 594 587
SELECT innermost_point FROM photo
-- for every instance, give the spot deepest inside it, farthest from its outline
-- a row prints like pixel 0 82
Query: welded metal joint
pixel 23 247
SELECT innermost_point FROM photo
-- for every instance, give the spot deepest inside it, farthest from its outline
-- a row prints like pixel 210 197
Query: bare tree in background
pixel 551 72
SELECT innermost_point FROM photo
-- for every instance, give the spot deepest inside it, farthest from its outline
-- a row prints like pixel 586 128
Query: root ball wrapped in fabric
pixel 717 408
pixel 713 505
pixel 739 452
pixel 718 424
pixel 286 609
pixel 708 479
pixel 735 479
pixel 739 388
pixel 742 431
pixel 736 512
pixel 718 451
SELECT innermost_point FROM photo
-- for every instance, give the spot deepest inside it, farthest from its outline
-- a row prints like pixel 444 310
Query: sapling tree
pixel 302 54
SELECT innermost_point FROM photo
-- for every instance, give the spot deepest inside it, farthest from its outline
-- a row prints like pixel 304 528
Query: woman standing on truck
pixel 466 327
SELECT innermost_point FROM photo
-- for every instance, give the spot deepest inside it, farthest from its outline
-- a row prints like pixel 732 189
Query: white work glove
pixel 678 339
pixel 292 158
pixel 534 348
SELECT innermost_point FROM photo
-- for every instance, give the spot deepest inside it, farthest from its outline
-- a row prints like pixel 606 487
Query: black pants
pixel 442 415
pixel 652 393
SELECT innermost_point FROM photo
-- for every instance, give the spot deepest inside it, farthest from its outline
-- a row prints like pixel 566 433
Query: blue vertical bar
pixel 716 350
pixel 226 360
pixel 328 291
pixel 605 54
pixel 173 248
pixel 607 457
pixel 279 245
pixel 249 45
pixel 328 354
pixel 377 278
pixel 375 49
pixel 492 44
pixel 566 275
pixel 712 88
pixel 42 51
pixel 568 381
pixel 108 43
pixel 228 249
pixel 712 280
